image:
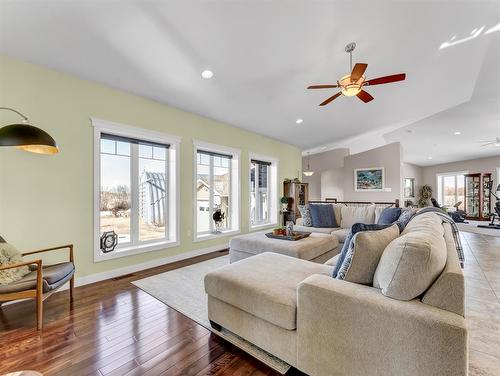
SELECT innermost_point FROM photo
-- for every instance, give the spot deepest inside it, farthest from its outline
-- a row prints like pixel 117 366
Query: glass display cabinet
pixel 477 196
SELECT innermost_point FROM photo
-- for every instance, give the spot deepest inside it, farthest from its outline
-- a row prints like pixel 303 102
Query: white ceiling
pixel 265 53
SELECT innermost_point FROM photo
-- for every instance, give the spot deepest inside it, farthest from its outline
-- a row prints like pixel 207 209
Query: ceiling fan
pixel 352 84
pixel 495 142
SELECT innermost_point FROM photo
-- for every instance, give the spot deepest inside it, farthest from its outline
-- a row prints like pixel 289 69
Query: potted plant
pixel 284 203
pixel 424 195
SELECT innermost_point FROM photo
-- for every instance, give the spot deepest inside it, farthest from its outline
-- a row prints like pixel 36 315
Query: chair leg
pixel 71 286
pixel 39 310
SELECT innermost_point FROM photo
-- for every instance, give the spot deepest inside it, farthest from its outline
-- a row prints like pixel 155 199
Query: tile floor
pixel 482 286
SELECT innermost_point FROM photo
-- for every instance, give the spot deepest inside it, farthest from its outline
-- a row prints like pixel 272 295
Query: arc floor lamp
pixel 27 137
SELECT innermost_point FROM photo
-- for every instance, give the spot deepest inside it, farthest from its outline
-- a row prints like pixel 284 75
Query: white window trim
pixel 104 126
pixel 273 191
pixel 235 197
pixel 439 187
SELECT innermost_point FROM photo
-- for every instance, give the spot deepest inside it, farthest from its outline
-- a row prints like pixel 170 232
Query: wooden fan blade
pixel 322 86
pixel 364 96
pixel 386 79
pixel 330 99
pixel 358 71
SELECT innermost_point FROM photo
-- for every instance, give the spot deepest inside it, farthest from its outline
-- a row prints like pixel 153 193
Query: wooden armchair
pixel 41 282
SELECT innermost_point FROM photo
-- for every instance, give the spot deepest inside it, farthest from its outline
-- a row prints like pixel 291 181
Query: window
pixel 135 189
pixel 451 189
pixel 263 191
pixel 216 190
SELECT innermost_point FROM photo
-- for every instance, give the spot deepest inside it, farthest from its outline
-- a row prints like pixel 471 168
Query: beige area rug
pixel 183 290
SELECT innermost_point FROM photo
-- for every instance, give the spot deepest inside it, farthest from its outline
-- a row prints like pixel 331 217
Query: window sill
pixel 263 226
pixel 134 250
pixel 201 238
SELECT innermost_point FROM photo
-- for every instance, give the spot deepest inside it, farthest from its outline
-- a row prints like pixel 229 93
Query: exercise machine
pixel 496 214
pixel 458 215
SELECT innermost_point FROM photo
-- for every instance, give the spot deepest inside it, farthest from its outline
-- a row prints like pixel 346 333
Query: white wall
pixel 334 173
pixel 415 172
pixel 472 166
pixel 389 157
pixel 324 166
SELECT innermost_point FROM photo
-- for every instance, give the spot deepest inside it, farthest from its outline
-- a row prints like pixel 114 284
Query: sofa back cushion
pixel 448 291
pixel 357 214
pixel 413 261
pixel 363 255
pixel 322 215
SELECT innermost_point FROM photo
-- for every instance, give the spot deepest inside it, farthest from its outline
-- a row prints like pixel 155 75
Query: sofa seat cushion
pixel 307 249
pixel 54 276
pixel 340 234
pixel 264 286
pixel 320 230
pixel 333 261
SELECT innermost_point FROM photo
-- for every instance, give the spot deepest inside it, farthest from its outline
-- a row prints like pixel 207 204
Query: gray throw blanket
pixel 456 234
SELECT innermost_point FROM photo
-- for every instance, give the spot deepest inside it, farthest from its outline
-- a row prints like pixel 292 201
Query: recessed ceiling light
pixel 429 157
pixel 299 121
pixel 457 133
pixel 207 74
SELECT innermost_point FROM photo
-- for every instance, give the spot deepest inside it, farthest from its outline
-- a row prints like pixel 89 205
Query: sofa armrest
pixel 349 329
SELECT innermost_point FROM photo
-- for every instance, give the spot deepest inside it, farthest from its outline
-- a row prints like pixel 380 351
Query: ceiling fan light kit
pixel 352 84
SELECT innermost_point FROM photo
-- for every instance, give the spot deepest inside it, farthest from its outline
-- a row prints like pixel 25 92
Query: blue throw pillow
pixel 322 215
pixel 357 227
pixel 404 218
pixel 305 213
pixel 389 216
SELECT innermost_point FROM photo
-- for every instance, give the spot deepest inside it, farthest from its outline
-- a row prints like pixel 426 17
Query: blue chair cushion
pixel 389 216
pixel 322 215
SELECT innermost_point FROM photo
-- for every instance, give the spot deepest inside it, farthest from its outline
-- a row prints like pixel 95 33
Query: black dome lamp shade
pixel 27 137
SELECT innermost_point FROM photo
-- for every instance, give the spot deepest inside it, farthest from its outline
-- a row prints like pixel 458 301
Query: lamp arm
pixel 17 112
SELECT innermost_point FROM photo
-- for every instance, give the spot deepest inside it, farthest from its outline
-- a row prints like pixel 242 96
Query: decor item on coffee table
pixel 369 179
pixel 41 282
pixel 316 247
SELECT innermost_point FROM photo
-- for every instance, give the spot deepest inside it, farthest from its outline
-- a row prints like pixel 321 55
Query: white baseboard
pixel 81 281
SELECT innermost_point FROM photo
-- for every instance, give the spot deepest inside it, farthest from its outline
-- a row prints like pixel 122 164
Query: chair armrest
pixel 349 329
pixel 25 263
pixel 66 246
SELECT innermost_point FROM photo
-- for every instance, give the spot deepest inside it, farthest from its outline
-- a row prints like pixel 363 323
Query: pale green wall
pixel 48 200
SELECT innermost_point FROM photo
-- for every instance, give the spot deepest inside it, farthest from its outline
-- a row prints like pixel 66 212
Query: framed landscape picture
pixel 369 179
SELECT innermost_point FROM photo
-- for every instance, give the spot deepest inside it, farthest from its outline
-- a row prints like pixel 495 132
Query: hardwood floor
pixel 112 328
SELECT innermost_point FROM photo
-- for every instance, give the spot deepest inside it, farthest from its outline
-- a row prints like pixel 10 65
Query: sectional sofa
pixel 346 216
pixel 409 321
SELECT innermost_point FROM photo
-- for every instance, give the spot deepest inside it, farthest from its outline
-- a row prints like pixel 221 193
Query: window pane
pixel 115 194
pixel 123 148
pixel 449 191
pixel 159 153
pixel 203 195
pixel 152 196
pixel 222 187
pixel 108 146
pixel 263 193
pixel 461 190
pixel 145 151
pixel 253 197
